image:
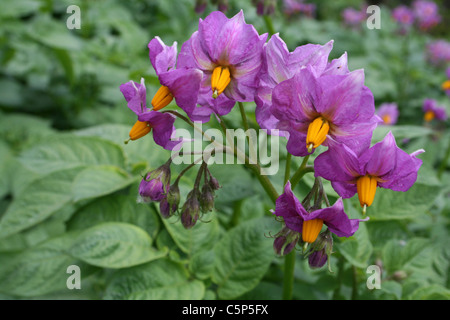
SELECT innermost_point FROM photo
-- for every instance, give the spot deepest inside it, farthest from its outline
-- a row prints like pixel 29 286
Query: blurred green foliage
pixel 66 174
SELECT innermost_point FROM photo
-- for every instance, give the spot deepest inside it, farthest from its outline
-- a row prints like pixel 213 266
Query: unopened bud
pixel 200 6
pixel 169 205
pixel 285 241
pixel 321 251
pixel 222 5
pixel 155 184
pixel 214 183
pixel 207 198
pixel 191 210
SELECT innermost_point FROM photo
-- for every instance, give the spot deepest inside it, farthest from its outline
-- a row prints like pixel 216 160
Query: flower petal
pixel 135 94
pixel 162 57
pixel 289 207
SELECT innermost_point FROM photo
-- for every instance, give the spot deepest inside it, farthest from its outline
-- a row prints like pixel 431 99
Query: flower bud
pixel 321 249
pixel 169 204
pixel 200 6
pixel 155 184
pixel 214 184
pixel 222 5
pixel 207 198
pixel 191 210
pixel 285 241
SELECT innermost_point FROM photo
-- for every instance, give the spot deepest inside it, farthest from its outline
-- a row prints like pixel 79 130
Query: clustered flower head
pixel 438 52
pixel 354 17
pixel 427 14
pixel 432 111
pixel 292 7
pixel 446 84
pixel 388 112
pixel 300 95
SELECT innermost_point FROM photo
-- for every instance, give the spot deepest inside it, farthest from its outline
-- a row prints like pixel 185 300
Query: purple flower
pixel 353 17
pixel 278 65
pixel 403 15
pixel 309 224
pixel 183 84
pixel 438 52
pixel 383 165
pixel 155 185
pixel 311 108
pixel 229 53
pixel 433 111
pixel 426 13
pixel 446 84
pixel 291 7
pixel 388 112
pixel 160 123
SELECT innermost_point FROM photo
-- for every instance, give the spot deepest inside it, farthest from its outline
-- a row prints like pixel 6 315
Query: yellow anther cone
pixel 311 229
pixel 139 129
pixel 366 187
pixel 317 133
pixel 220 79
pixel 162 98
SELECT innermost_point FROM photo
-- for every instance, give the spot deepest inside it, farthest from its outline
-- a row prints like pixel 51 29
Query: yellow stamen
pixel 311 229
pixel 162 98
pixel 220 79
pixel 366 186
pixel 317 133
pixel 429 115
pixel 387 119
pixel 446 85
pixel 139 129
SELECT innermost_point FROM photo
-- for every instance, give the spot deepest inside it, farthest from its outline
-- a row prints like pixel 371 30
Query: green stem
pixel 288 280
pixel 269 24
pixel 301 172
pixel 243 115
pixel 256 168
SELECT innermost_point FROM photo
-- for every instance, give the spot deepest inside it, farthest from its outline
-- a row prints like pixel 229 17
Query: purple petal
pixel 184 84
pixel 135 95
pixel 289 207
pixel 382 157
pixel 336 219
pixel 162 127
pixel 162 57
pixel 341 99
pixel 194 55
pixel 337 66
pixel 294 99
pixel 338 163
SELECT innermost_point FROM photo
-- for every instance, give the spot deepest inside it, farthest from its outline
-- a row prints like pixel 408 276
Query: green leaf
pixel 6 164
pixel 40 270
pixel 397 253
pixel 65 152
pixel 243 256
pixel 98 181
pixel 389 205
pixel 140 150
pixel 158 280
pixel 201 237
pixel 358 248
pixel 236 183
pixel 432 292
pixel 116 208
pixel 115 245
pixel 38 201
